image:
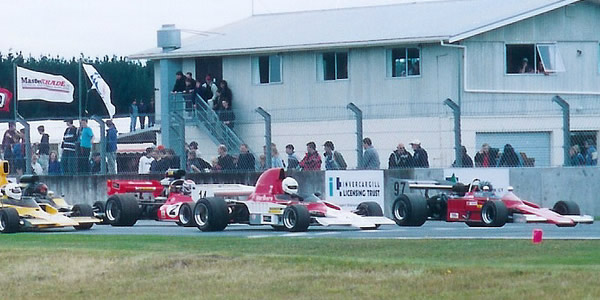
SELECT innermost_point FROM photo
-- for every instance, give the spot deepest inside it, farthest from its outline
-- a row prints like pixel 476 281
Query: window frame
pixel 255 69
pixel 389 68
pixel 535 59
pixel 321 66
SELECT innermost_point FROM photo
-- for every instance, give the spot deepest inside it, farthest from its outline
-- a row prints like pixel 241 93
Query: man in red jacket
pixel 312 160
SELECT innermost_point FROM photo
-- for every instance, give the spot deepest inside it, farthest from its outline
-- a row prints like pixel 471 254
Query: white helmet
pixel 12 190
pixel 187 187
pixel 290 186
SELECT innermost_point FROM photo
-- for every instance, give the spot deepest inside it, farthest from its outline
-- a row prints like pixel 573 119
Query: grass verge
pixel 155 267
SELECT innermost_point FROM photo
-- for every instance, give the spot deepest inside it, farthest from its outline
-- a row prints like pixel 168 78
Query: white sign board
pixel 498 177
pixel 349 188
pixel 32 85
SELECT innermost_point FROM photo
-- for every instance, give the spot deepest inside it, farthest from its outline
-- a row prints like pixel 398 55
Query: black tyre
pixel 566 208
pixel 410 210
pixel 437 207
pixel 211 214
pixel 122 210
pixel 82 210
pixel 9 220
pixel 186 216
pixel 99 211
pixel 296 218
pixel 369 209
pixel 494 213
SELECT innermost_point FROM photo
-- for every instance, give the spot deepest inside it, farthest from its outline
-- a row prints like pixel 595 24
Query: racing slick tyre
pixel 369 209
pixel 296 218
pixel 99 210
pixel 122 210
pixel 211 214
pixel 566 208
pixel 9 220
pixel 410 210
pixel 494 213
pixel 82 210
pixel 186 216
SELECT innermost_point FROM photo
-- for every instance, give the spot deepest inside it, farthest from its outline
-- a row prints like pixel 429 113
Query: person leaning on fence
pixel 196 164
pixel 179 86
pixel 509 157
pixel 312 159
pixel 400 158
pixel 293 162
pixel 43 149
pixel 69 146
pixel 246 160
pixel 145 161
pixel 467 162
pixel 575 156
pixel 111 147
pixel 420 157
pixel 224 161
pixel 591 154
pixel 333 159
pixel 485 158
pixel 209 92
pixel 36 167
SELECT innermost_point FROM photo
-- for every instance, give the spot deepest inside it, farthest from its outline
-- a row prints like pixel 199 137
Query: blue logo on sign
pixel 330 186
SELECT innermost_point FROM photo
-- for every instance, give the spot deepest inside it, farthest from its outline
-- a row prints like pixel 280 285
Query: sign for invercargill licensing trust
pixel 349 188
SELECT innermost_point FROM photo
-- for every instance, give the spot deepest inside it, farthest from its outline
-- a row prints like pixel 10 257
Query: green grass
pixel 156 267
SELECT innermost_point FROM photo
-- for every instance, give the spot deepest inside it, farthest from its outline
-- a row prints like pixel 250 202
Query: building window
pixel 334 65
pixel 533 59
pixel 403 62
pixel 267 69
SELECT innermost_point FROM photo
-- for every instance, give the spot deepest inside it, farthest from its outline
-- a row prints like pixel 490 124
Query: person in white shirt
pixel 146 162
pixel 35 166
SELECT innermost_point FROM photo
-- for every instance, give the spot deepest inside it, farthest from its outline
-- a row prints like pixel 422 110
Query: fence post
pixel 359 131
pixel 25 124
pixel 267 118
pixel 457 142
pixel 102 143
pixel 564 105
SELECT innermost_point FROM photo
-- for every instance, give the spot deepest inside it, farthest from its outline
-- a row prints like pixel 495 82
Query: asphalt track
pixel 431 230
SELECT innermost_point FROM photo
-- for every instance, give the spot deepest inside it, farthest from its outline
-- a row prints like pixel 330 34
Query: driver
pixel 187 186
pixel 12 191
pixel 290 188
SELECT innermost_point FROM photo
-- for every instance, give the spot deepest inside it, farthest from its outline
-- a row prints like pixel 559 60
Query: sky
pixel 96 28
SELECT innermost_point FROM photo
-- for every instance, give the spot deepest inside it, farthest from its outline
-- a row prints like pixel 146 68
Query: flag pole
pixel 16 96
pixel 80 87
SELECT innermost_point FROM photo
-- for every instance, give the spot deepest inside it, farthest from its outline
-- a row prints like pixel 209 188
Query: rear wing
pixel 408 185
pixel 221 190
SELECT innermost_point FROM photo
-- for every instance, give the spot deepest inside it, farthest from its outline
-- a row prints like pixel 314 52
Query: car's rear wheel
pixel 296 218
pixel 9 220
pixel 567 208
pixel 369 209
pixel 494 213
pixel 82 210
pixel 99 210
pixel 211 214
pixel 410 210
pixel 122 210
pixel 186 216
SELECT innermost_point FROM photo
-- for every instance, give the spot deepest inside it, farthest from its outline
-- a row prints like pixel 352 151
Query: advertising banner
pixel 5 97
pixel 349 188
pixel 101 87
pixel 32 85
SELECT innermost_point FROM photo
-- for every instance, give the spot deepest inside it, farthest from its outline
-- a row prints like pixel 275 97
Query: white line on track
pixel 294 234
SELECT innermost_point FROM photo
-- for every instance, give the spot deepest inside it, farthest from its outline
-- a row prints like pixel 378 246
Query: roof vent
pixel 168 37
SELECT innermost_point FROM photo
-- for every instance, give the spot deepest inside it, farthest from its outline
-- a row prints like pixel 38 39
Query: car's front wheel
pixel 186 216
pixel 296 218
pixel 82 210
pixel 9 220
pixel 211 214
pixel 494 213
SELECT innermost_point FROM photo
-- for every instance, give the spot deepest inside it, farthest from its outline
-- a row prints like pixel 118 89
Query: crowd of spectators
pixel 140 110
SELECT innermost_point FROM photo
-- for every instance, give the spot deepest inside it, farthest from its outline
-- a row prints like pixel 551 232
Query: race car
pixel 477 205
pixel 275 201
pixel 171 199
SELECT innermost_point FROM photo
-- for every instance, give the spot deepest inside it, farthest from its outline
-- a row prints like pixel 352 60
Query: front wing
pixel 528 214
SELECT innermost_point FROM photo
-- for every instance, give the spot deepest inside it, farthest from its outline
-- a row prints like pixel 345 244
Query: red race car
pixel 276 202
pixel 170 199
pixel 477 205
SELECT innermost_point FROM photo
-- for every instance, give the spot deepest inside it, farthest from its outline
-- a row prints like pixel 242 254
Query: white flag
pixel 101 87
pixel 32 85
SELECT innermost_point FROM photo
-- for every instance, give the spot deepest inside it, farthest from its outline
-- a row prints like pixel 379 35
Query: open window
pixel 533 59
pixel 403 62
pixel 334 66
pixel 266 69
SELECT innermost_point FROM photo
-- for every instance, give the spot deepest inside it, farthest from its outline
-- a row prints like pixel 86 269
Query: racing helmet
pixel 41 189
pixel 290 186
pixel 187 186
pixel 12 190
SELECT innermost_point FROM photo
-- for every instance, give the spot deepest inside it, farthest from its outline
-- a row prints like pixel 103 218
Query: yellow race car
pixel 18 212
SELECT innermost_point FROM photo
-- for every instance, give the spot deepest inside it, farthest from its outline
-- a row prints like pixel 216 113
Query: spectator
pixel 225 93
pixel 10 138
pixel 69 146
pixel 400 159
pixel 36 168
pixel 420 159
pixel 160 164
pixel 196 164
pixel 467 162
pixel 179 86
pixel 133 114
pixel 370 160
pixel 53 164
pixel 509 157
pixel 262 163
pixel 188 93
pixel 172 159
pixel 525 67
pixel 85 145
pixel 293 162
pixel 209 92
pixel 111 147
pixel 245 161
pixel 224 161
pixel 145 161
pixel 95 163
pixel 591 155
pixel 19 152
pixel 276 161
pixel 226 115
pixel 333 159
pixel 150 112
pixel 312 160
pixel 198 91
pixel 189 75
pixel 576 157
pixel 43 149
pixel 485 158
pixel 142 114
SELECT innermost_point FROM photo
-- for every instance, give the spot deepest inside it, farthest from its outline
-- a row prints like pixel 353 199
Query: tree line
pixel 128 80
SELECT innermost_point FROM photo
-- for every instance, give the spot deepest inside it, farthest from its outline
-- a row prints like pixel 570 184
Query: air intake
pixel 168 37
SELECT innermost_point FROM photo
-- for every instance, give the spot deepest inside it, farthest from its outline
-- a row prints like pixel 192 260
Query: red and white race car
pixel 477 205
pixel 275 201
